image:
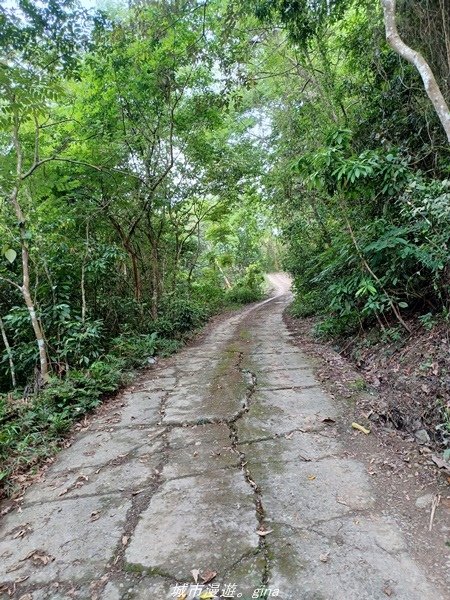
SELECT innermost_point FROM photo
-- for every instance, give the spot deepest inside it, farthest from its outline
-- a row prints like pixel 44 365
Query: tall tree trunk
pixel 83 276
pixel 415 58
pixel 8 353
pixel 156 283
pixel 25 287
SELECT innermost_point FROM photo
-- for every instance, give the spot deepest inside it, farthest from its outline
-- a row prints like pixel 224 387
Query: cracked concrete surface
pixel 226 439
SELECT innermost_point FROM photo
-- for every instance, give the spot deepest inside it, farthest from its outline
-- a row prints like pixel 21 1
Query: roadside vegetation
pixel 360 181
pixel 130 209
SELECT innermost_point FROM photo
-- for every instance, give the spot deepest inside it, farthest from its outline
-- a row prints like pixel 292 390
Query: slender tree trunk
pixel 135 269
pixel 415 58
pixel 83 277
pixel 368 268
pixel 9 353
pixel 25 287
pixel 225 278
pixel 197 254
pixel 156 283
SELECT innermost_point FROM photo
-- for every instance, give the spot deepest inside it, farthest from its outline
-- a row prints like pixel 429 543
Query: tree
pixel 38 44
pixel 415 58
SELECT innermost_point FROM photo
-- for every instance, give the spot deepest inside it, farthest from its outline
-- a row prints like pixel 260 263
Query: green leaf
pixel 10 255
pixel 403 305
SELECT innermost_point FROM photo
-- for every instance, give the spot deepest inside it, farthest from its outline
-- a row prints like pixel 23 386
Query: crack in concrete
pixel 290 387
pixel 243 463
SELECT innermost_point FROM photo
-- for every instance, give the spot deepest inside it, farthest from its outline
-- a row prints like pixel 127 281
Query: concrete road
pixel 220 464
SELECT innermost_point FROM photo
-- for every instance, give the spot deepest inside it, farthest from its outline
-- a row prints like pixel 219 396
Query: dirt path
pixel 224 458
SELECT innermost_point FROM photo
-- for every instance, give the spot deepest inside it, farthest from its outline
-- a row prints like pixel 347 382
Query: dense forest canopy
pixel 159 156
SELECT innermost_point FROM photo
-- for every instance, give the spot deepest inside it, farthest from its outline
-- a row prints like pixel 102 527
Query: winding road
pixel 221 463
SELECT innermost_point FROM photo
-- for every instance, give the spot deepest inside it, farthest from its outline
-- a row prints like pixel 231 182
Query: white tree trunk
pixel 415 58
pixel 25 287
pixel 8 353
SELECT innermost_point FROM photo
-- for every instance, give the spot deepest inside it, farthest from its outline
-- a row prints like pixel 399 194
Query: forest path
pixel 223 458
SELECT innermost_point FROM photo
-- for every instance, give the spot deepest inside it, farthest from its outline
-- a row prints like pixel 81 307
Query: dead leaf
pixel 63 492
pixel 39 556
pixel 360 428
pixel 388 591
pixel 124 540
pixel 95 515
pixel 264 532
pixel 434 505
pixel 324 557
pixel 81 481
pixel 311 477
pixel 340 501
pixel 25 529
pixel 441 463
pixel 445 502
pixel 328 421
pixel 208 576
pixel 195 574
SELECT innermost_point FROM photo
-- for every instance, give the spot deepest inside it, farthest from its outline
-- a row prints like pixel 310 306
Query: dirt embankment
pixel 412 376
pixel 405 378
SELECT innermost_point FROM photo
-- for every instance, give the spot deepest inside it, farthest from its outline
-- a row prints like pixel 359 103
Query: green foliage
pixel 130 198
pixel 31 429
pixel 249 287
pixel 134 350
pixel 303 19
pixel 181 314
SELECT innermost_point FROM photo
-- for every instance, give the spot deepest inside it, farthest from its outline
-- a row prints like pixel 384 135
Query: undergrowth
pixel 33 423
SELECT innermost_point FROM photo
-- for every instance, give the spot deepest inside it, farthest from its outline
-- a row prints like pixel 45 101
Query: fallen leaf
pixel 341 501
pixel 195 574
pixel 124 540
pixel 95 515
pixel 388 590
pixel 81 481
pixel 311 477
pixel 442 464
pixel 208 576
pixel 328 421
pixel 264 532
pixel 324 557
pixel 39 556
pixel 360 428
pixel 25 529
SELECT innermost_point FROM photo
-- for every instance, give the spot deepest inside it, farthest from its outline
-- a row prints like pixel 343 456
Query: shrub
pixel 180 314
pixel 249 288
pixel 134 350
